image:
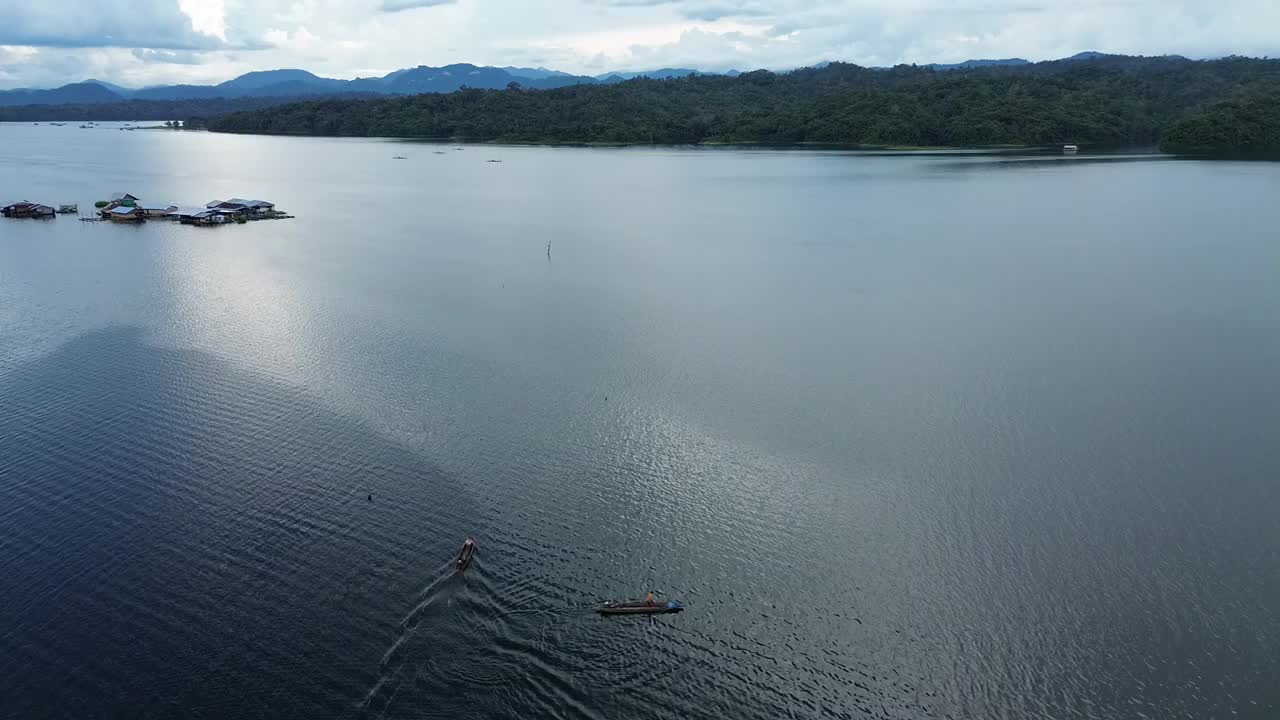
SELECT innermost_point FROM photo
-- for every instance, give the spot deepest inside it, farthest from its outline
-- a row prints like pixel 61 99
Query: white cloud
pixel 207 16
pixel 622 45
pixel 217 39
pixel 131 67
pixel 172 57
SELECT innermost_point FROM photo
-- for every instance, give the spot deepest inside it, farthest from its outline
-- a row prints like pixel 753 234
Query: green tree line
pixel 135 109
pixel 1110 101
pixel 1248 125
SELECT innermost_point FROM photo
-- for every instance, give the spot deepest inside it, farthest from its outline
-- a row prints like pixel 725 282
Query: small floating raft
pixel 638 607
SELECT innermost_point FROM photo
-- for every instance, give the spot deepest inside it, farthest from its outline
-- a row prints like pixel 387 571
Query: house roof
pixel 124 196
pixel 122 210
pixel 213 203
pixel 160 208
pixel 241 202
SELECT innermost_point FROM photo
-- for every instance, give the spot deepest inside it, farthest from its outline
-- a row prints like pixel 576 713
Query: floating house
pixel 194 216
pixel 207 216
pixel 118 200
pixel 128 208
pixel 250 208
pixel 123 213
pixel 261 207
pixel 27 210
pixel 160 212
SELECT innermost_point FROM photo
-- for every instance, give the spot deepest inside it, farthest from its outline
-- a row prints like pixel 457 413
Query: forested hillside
pixel 1102 101
pixel 1248 125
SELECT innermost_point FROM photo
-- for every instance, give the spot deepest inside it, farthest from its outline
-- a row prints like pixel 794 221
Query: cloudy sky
pixel 144 42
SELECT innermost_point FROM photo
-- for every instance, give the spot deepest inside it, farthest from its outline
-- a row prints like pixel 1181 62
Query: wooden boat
pixel 464 558
pixel 638 607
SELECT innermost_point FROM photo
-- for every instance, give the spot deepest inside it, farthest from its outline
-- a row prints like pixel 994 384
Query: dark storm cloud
pixel 708 11
pixel 46 43
pixel 399 5
pixel 69 24
pixel 711 12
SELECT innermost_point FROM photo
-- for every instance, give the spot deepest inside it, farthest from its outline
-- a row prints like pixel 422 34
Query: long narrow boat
pixel 468 552
pixel 638 607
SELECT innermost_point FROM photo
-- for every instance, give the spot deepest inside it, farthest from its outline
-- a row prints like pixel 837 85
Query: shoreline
pixel 1054 150
pixel 1050 149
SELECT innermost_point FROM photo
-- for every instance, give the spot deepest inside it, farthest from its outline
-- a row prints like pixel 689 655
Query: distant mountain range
pixel 300 83
pixel 409 81
pixel 1013 62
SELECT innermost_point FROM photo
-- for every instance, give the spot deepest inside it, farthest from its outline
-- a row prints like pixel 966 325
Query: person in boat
pixel 467 547
pixel 649 600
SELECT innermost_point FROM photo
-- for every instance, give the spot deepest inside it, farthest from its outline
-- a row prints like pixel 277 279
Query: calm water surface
pixel 949 436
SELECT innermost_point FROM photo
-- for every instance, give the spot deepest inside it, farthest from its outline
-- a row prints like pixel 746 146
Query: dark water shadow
pixel 1041 161
pixel 180 537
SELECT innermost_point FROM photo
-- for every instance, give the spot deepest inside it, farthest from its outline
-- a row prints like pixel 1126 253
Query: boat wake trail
pixel 431 664
pixel 434 590
pixel 384 690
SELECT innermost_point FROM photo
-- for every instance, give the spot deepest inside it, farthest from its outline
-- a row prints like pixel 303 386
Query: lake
pixel 944 435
